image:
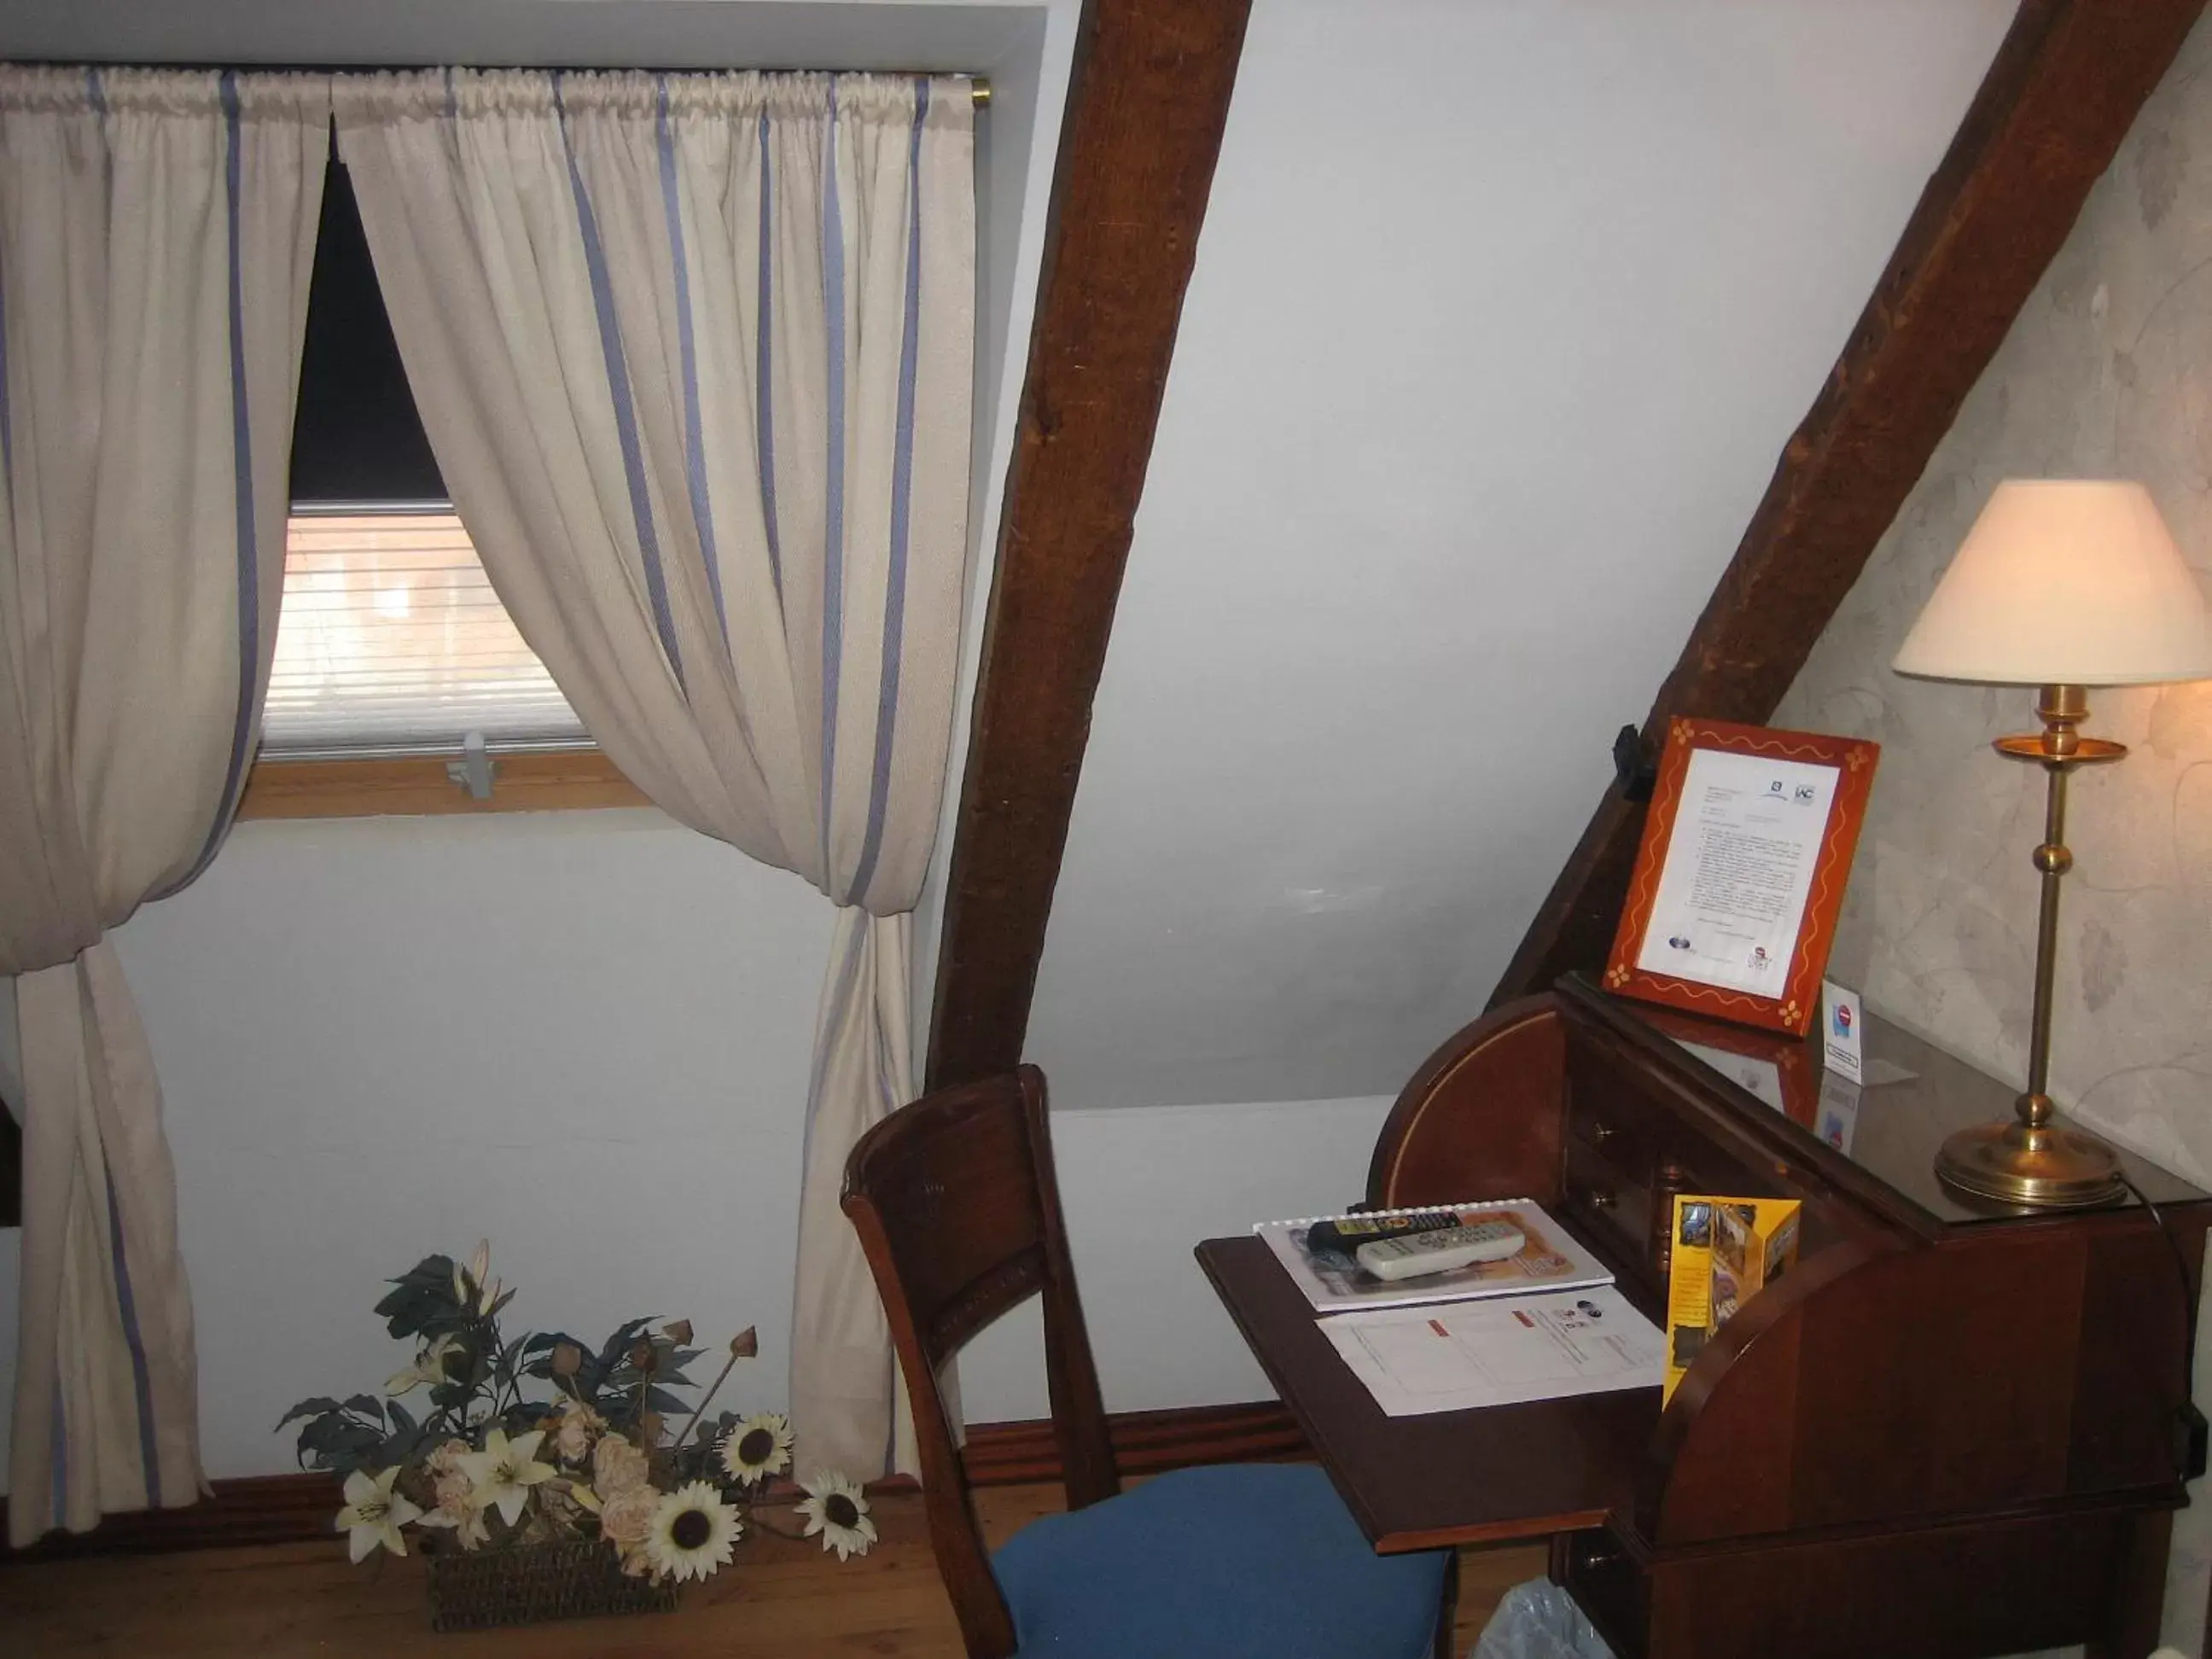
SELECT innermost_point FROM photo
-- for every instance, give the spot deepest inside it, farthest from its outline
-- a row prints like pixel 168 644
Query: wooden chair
pixel 957 1206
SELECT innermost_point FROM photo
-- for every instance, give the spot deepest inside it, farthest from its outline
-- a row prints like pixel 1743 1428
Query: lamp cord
pixel 2192 1417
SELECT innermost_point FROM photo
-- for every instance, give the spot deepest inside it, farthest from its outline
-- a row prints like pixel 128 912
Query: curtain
pixel 695 355
pixel 156 231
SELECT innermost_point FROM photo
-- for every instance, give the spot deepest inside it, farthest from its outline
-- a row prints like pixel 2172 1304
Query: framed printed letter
pixel 1733 904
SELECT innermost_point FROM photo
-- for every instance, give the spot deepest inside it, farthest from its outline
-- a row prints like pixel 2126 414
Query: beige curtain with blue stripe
pixel 696 354
pixel 156 231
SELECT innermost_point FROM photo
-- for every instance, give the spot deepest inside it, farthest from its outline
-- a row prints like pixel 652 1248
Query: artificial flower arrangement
pixel 487 1467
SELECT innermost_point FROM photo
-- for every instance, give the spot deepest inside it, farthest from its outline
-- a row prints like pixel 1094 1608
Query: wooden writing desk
pixel 1949 1431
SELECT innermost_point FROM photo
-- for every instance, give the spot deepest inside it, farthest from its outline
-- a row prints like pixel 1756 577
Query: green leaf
pixel 367 1405
pixel 420 1297
pixel 308 1408
pixel 661 1401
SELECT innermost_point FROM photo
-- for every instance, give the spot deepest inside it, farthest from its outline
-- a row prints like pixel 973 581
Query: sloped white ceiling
pixel 1504 310
pixel 951 35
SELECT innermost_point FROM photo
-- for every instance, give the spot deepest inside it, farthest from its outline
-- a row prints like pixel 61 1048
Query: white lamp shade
pixel 2064 582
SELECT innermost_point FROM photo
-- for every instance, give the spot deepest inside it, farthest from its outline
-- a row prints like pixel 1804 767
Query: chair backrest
pixel 957 1206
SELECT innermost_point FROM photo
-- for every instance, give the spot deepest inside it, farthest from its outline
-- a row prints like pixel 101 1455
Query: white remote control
pixel 1440 1252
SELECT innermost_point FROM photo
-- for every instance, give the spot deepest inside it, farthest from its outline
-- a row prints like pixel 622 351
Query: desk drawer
pixel 1611 1585
pixel 1620 1208
pixel 1629 1149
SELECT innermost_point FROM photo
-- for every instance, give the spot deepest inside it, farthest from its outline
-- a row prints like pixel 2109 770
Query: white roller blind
pixel 391 638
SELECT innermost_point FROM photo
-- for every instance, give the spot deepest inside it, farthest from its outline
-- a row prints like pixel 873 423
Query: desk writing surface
pixel 1494 1476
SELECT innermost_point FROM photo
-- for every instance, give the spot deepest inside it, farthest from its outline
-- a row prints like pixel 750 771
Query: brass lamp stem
pixel 2034 1161
pixel 2061 707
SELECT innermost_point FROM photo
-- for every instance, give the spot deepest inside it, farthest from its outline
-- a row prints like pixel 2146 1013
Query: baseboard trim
pixel 1144 1443
pixel 288 1509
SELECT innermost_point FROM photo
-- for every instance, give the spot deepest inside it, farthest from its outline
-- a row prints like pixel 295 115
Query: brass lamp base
pixel 2031 1161
pixel 2046 1167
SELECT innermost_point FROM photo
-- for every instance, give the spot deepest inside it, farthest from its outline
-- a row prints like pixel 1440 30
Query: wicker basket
pixel 529 1583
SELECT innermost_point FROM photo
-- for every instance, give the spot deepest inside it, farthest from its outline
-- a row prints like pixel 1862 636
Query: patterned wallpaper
pixel 2107 373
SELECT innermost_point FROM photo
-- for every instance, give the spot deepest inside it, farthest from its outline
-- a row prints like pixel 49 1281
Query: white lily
pixel 429 1367
pixel 479 1264
pixel 375 1513
pixel 503 1472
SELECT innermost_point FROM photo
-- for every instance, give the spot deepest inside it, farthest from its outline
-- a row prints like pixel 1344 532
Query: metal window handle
pixel 476 769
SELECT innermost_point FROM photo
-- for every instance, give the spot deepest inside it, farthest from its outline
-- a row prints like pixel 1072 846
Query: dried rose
pixel 451 1491
pixel 574 1431
pixel 567 1359
pixel 745 1344
pixel 618 1468
pixel 627 1520
pixel 641 1356
pixel 447 1460
pixel 679 1332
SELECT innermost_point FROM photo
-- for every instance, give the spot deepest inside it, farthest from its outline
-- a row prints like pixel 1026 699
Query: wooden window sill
pixel 573 780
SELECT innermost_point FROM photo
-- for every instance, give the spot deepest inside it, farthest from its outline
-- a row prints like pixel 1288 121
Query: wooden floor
pixel 781 1600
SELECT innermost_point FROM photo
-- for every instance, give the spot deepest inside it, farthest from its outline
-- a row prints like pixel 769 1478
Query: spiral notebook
pixel 1551 1259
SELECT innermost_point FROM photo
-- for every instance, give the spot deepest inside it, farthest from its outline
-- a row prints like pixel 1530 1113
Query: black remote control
pixel 1347 1234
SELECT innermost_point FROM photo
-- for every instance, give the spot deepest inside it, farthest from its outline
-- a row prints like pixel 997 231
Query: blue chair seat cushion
pixel 1233 1561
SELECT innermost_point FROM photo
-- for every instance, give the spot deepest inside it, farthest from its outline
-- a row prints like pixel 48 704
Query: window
pixel 392 647
pixel 392 641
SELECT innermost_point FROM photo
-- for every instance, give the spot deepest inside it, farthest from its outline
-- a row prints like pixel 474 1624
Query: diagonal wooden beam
pixel 2059 97
pixel 1146 108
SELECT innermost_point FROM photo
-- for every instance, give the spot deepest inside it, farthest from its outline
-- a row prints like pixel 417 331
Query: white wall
pixel 1503 312
pixel 584 1035
pixel 1141 1187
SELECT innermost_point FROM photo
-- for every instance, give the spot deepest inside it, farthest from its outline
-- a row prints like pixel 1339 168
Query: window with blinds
pixel 392 641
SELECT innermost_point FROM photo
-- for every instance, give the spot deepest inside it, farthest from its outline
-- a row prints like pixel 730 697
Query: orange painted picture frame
pixel 1798 1001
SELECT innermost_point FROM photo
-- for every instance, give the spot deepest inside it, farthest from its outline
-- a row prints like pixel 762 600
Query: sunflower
pixel 758 1447
pixel 692 1533
pixel 835 1508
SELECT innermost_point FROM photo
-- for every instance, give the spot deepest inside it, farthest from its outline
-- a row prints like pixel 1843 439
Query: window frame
pixel 419 786
pixel 379 782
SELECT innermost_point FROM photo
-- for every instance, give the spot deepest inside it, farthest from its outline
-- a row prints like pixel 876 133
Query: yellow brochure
pixel 1722 1252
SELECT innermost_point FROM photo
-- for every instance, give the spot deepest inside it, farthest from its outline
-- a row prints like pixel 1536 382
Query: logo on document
pixel 1678 943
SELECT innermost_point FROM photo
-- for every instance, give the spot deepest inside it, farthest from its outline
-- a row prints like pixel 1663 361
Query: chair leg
pixel 1448 1613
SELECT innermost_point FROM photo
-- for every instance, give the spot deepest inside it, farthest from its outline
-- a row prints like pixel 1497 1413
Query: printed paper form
pixel 1462 1355
pixel 1738 870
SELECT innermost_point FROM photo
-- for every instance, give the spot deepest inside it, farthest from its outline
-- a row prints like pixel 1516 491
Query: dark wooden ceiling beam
pixel 2059 97
pixel 1146 108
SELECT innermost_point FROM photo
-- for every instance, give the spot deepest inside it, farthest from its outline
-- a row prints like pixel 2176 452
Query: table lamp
pixel 2062 584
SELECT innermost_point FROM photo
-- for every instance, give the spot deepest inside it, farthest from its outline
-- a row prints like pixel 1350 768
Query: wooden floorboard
pixel 783 1601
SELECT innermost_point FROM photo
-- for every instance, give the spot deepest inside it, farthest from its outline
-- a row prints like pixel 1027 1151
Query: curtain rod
pixel 978 88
